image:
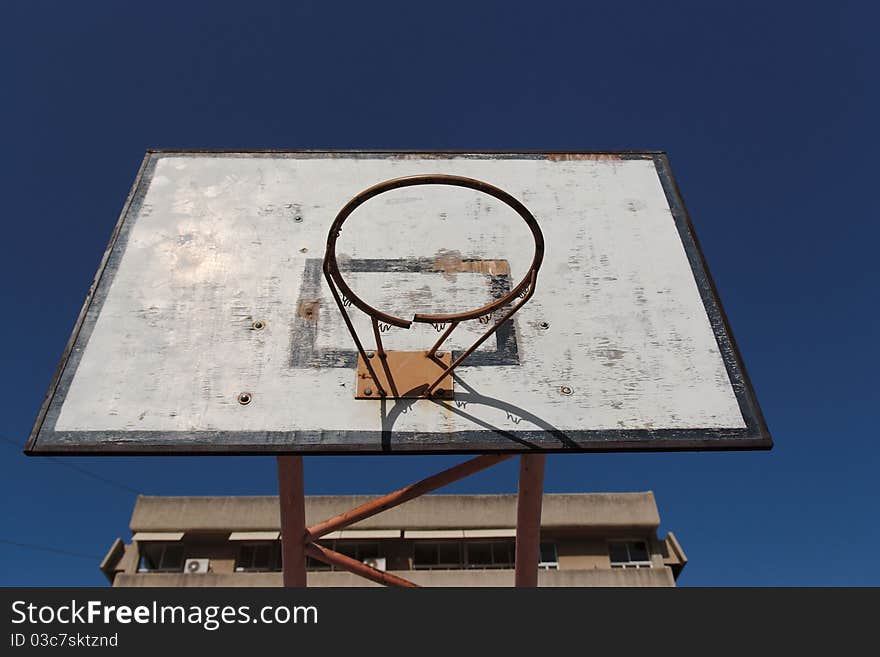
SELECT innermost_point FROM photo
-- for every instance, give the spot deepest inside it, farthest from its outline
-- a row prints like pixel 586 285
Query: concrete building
pixel 607 539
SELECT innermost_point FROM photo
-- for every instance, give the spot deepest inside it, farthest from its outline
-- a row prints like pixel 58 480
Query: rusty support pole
pixel 528 519
pixel 404 494
pixel 321 553
pixel 291 496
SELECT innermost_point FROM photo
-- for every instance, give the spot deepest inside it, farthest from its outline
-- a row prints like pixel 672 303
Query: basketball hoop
pixel 423 373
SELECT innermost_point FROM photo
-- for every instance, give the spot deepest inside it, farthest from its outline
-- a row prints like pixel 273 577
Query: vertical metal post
pixel 291 496
pixel 528 519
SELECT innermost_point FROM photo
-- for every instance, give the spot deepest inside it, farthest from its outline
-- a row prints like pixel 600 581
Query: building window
pixel 160 557
pixel 491 554
pixel 548 559
pixel 455 555
pixel 441 555
pixel 360 551
pixel 629 554
pixel 479 555
pixel 364 551
pixel 315 565
pixel 262 557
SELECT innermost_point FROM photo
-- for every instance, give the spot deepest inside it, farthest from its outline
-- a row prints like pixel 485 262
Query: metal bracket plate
pixel 405 375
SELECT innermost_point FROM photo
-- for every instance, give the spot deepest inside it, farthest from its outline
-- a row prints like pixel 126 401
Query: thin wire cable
pixel 47 548
pixel 79 469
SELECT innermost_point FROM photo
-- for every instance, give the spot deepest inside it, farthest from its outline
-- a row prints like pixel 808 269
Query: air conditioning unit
pixel 196 566
pixel 378 563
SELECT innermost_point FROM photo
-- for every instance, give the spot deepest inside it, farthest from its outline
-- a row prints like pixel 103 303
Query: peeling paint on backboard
pixel 623 346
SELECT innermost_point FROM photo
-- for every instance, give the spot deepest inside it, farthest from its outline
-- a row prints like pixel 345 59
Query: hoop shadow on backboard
pixel 459 405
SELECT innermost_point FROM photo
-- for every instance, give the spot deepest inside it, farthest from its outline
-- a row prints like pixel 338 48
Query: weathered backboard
pixel 210 295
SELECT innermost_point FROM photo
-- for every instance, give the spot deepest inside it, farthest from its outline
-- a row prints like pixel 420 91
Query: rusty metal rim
pixel 331 267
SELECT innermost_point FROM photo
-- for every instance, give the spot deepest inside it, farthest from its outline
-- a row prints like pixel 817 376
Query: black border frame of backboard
pixel 44 440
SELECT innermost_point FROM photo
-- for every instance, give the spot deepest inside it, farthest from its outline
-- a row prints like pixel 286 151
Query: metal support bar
pixel 297 541
pixel 321 553
pixel 291 495
pixel 485 336
pixel 383 360
pixel 404 494
pixel 354 335
pixel 376 333
pixel 442 339
pixel 528 519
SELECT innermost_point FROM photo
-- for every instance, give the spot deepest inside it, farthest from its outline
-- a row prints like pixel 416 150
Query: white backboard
pixel 624 344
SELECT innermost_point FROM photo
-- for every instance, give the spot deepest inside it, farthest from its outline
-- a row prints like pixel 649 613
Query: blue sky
pixel 767 110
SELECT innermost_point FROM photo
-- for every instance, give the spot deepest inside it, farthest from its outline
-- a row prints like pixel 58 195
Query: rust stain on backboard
pixel 566 157
pixel 450 263
pixel 308 310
